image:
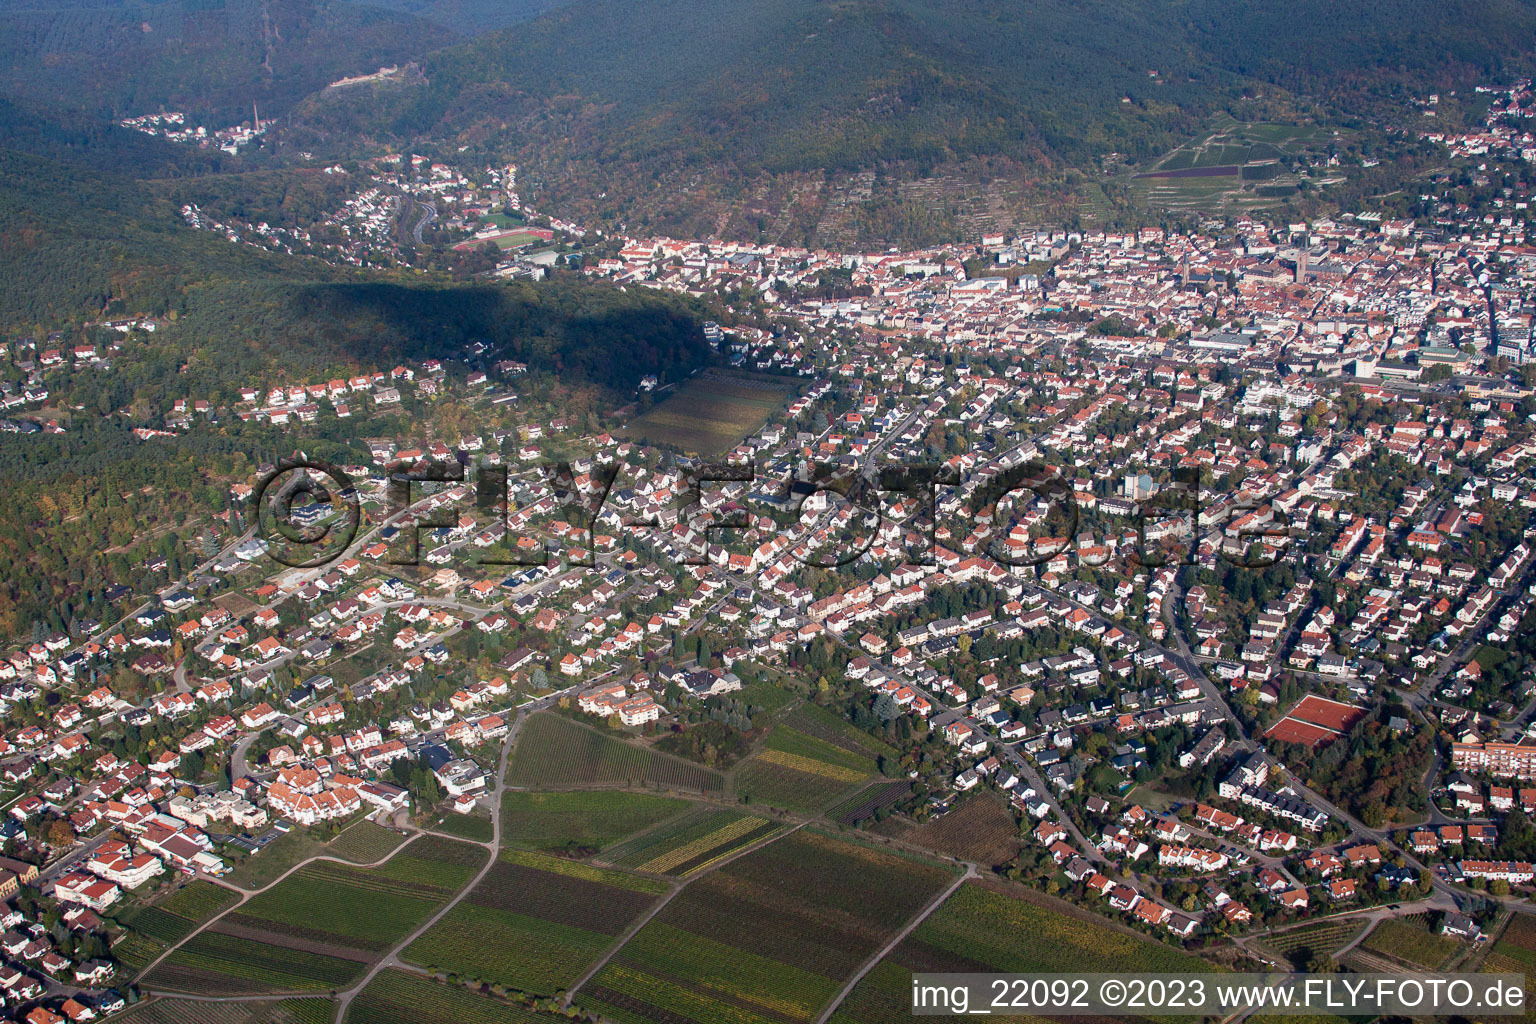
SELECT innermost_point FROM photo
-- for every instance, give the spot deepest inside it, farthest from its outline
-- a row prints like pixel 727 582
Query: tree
pixel 1321 963
pixel 60 833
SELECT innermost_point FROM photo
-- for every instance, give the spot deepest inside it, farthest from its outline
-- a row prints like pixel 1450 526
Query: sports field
pixel 514 238
pixel 1315 721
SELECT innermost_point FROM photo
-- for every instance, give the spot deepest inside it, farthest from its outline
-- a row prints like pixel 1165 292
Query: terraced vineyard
pixel 1515 952
pixel 214 963
pixel 186 1011
pixel 535 923
pixel 985 927
pixel 768 937
pixel 1321 939
pixel 167 921
pixel 576 819
pixel 1412 942
pixel 709 413
pixel 136 952
pixel 365 843
pixel 556 753
pixel 817 721
pixel 981 829
pixel 1516 948
pixel 864 803
pixel 320 925
pixel 397 997
pixel 692 842
pixel 802 772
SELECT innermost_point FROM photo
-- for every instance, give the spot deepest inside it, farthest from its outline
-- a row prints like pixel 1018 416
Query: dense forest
pixel 670 115
pixel 706 95
pixel 212 58
pixel 472 17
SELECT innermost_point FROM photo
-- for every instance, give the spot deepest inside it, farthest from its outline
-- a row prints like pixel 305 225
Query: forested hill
pixel 77 244
pixel 612 95
pixel 472 17
pixel 213 58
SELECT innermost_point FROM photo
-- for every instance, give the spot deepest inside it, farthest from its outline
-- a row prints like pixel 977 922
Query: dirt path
pixel 677 887
pixel 884 951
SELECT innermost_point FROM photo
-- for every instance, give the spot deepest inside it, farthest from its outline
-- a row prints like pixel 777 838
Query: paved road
pixel 426 218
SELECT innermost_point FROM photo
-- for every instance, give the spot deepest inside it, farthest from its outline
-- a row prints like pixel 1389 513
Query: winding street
pixel 427 217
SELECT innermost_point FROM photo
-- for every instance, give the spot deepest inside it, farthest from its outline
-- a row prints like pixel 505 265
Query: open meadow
pixel 579 821
pixel 710 413
pixel 553 752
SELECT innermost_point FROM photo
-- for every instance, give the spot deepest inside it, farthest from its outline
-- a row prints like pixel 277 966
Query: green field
pixel 580 820
pixel 397 997
pixel 802 772
pixel 710 413
pixel 691 843
pixel 768 937
pixel 983 929
pixel 556 753
pixel 474 827
pixel 536 923
pixel 516 240
pixel 268 864
pixel 769 696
